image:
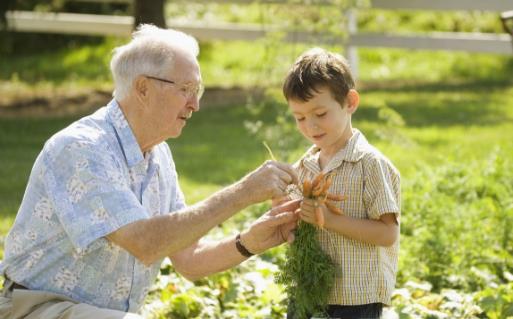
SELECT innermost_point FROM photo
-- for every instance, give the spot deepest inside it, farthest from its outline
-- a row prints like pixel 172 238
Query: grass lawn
pixel 444 123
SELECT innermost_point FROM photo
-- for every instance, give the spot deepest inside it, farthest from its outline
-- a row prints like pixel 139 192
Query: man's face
pixel 175 97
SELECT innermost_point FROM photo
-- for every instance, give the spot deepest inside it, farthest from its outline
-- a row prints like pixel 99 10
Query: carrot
pixel 317 179
pixel 317 191
pixel 334 209
pixel 319 216
pixel 307 188
pixel 336 197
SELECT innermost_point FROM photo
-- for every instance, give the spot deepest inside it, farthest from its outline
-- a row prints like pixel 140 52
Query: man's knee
pixel 85 311
pixel 5 307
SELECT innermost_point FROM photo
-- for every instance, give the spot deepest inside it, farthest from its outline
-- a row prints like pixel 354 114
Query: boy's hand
pixel 308 214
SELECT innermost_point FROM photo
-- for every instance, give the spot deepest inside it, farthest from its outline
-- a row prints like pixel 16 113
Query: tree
pixel 149 11
pixel 5 6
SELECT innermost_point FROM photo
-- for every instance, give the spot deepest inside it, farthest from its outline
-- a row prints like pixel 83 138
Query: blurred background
pixel 436 86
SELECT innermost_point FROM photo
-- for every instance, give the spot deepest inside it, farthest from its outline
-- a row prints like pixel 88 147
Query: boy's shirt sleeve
pixel 382 188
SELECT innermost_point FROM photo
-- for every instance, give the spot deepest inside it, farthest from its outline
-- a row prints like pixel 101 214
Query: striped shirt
pixel 365 273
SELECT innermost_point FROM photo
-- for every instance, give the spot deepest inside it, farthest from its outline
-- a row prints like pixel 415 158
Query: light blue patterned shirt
pixel 89 180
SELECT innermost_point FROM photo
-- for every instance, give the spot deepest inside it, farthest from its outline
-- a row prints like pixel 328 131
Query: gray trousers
pixel 32 304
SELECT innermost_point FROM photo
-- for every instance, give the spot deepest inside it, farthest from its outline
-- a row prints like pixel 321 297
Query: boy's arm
pixel 381 232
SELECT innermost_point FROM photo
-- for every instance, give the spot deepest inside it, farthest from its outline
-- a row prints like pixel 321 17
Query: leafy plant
pixel 307 273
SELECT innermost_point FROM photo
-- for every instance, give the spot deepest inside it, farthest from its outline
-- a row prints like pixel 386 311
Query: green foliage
pixel 497 301
pixel 308 274
pixel 245 292
pixel 82 64
pixel 439 235
pixel 415 300
pixel 404 21
pixel 291 15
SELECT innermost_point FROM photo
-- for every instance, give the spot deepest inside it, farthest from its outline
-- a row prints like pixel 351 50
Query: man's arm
pixel 270 230
pixel 152 239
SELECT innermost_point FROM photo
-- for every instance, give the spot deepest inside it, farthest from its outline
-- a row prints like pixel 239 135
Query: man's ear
pixel 353 100
pixel 141 89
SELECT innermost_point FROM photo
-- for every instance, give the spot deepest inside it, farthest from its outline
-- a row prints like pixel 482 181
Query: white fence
pixel 86 24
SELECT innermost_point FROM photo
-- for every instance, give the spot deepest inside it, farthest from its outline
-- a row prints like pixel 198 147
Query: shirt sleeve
pixel 382 190
pixel 179 201
pixel 91 194
pixel 177 196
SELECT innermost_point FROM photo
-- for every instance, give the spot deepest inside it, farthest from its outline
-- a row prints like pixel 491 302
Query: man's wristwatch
pixel 240 247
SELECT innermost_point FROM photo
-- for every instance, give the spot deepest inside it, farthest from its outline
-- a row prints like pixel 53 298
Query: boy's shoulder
pixel 358 149
pixel 372 156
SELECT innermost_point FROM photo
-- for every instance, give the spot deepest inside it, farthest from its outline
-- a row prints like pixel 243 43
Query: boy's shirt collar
pixel 355 149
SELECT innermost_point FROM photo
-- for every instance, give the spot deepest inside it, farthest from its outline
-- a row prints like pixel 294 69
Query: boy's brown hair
pixel 315 69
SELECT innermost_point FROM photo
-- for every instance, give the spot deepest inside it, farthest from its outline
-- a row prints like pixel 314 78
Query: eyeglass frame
pixel 198 90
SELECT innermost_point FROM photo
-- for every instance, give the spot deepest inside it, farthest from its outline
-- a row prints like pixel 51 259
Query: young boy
pixel 363 242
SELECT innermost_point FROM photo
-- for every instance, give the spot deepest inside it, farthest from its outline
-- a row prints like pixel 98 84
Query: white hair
pixel 151 52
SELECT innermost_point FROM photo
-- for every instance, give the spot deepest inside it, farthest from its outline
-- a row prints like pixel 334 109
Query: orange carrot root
pixel 336 197
pixel 319 217
pixel 317 179
pixel 307 188
pixel 318 188
pixel 334 209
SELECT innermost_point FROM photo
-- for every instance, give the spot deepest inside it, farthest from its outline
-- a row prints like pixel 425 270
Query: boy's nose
pixel 312 125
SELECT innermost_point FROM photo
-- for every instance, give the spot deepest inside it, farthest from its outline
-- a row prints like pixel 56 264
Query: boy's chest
pixel 347 179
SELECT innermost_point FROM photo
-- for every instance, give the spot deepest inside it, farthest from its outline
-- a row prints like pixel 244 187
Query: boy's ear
pixel 353 100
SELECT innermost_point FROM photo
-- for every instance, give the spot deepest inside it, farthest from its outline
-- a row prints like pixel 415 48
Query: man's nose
pixel 193 104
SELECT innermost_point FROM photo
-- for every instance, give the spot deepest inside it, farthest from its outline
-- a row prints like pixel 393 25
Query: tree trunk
pixel 149 11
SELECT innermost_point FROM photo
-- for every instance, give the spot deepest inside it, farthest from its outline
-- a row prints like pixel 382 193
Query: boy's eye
pixel 322 114
pixel 300 119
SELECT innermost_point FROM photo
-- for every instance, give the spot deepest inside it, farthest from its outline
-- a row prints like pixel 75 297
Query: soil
pixel 84 102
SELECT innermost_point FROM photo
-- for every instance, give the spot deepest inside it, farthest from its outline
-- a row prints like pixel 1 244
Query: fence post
pixel 352 51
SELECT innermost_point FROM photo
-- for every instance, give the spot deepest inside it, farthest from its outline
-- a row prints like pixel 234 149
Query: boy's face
pixel 323 121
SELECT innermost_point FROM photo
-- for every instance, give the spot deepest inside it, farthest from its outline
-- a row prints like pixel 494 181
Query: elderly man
pixel 103 206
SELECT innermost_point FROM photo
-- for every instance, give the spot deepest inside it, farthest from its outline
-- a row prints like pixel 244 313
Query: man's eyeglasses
pixel 188 90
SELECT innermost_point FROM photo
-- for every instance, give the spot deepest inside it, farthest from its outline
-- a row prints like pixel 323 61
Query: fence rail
pixel 90 24
pixel 87 24
pixel 446 5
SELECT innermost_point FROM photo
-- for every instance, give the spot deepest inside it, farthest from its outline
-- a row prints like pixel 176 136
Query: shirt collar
pixel 354 150
pixel 126 137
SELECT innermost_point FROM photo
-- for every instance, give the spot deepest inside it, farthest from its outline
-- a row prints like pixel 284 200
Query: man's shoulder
pixel 90 133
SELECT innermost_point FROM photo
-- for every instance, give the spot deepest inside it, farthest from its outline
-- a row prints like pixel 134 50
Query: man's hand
pixel 272 228
pixel 277 201
pixel 270 180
